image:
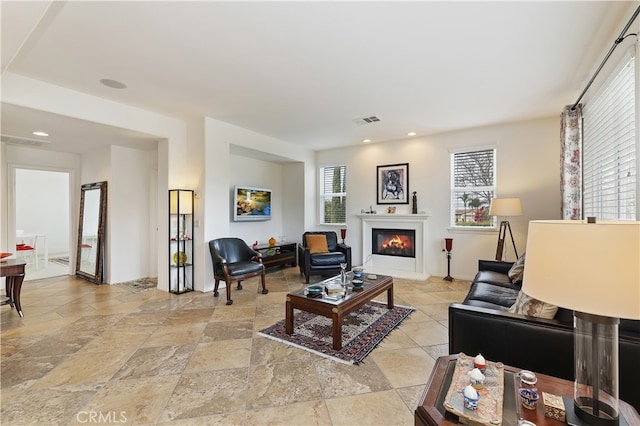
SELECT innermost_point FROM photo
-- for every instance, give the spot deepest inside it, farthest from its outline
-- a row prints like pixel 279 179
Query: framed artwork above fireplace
pixel 392 184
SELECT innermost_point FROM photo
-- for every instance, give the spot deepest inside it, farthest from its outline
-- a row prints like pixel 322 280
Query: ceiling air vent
pixel 367 120
pixel 17 140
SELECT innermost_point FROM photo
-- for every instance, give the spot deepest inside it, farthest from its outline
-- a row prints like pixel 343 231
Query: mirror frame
pixel 98 275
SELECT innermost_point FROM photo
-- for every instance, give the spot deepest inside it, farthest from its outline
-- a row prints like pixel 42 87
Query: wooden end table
pixel 281 253
pixel 337 309
pixel 430 411
pixel 13 270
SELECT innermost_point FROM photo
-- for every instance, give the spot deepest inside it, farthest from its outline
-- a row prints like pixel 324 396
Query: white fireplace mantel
pixel 411 268
pixel 400 217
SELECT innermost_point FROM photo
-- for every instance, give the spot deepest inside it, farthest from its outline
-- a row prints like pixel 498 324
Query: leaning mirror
pixel 91 226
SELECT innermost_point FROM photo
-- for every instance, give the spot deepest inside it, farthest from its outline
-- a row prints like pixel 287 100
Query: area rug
pixel 143 284
pixel 362 331
pixel 62 260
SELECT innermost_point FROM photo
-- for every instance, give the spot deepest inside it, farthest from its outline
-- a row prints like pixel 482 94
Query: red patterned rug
pixel 362 331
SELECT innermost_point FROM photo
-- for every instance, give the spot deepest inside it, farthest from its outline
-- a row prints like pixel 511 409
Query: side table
pixel 13 270
pixel 431 412
pixel 280 253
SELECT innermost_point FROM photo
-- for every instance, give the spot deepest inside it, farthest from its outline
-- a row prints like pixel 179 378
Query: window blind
pixel 610 148
pixel 333 193
pixel 472 187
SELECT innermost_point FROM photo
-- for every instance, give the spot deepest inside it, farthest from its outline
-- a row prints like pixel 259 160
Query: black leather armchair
pixel 234 260
pixel 323 263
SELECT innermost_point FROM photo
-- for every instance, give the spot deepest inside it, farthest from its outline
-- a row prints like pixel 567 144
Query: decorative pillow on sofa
pixel 317 243
pixel 517 270
pixel 526 305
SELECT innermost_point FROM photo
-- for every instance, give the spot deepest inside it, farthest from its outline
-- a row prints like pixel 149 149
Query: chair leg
pixel 215 288
pixel 306 277
pixel 239 285
pixel 264 287
pixel 228 286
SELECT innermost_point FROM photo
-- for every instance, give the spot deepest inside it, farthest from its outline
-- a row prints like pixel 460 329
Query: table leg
pixel 336 331
pixel 17 286
pixel 288 319
pixel 8 284
pixel 390 298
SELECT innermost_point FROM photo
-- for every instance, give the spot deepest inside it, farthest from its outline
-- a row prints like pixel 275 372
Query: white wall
pixel 527 167
pixel 130 213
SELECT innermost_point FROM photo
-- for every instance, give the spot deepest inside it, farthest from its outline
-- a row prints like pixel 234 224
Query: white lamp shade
pixel 186 201
pixel 505 207
pixel 588 267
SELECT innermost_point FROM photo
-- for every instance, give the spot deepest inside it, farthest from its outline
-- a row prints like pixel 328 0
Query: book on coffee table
pixel 334 289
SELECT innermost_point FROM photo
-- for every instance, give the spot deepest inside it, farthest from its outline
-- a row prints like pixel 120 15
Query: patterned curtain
pixel 571 162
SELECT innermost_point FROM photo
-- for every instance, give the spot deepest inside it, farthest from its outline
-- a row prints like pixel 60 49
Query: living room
pixel 208 155
pixel 248 105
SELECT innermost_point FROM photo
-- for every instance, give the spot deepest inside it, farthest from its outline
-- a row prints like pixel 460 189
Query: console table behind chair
pixel 13 270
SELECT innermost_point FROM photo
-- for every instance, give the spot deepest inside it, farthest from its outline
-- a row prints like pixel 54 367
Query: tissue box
pixel 554 406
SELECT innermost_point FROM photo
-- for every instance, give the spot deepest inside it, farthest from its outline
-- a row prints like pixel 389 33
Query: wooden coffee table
pixel 430 410
pixel 337 309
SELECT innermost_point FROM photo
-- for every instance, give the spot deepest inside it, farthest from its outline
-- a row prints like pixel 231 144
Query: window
pixel 333 194
pixel 609 148
pixel 473 178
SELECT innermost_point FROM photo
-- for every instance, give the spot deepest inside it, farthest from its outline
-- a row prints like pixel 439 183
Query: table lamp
pixel 593 269
pixel 505 207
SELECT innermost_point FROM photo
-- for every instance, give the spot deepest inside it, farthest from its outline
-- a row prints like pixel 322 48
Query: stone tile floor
pixel 87 354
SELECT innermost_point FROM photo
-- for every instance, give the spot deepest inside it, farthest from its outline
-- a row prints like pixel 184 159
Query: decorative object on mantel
pixel 391 209
pixel 393 183
pixel 414 206
pixel 448 246
pixel 370 211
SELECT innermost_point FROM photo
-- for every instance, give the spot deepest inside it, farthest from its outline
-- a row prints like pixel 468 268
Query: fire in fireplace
pixel 393 242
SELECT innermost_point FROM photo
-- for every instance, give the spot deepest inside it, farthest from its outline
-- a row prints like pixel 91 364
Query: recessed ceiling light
pixel 40 133
pixel 411 134
pixel 114 84
pixel 366 140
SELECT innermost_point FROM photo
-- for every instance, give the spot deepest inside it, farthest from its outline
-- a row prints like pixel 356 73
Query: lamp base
pixel 448 278
pixel 582 407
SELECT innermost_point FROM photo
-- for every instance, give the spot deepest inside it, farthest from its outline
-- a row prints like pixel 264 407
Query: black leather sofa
pixel 482 324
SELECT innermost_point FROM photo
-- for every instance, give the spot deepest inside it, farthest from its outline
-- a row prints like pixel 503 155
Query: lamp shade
pixel 181 201
pixel 505 207
pixel 592 268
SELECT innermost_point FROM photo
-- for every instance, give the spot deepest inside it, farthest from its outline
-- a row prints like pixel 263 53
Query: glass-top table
pixel 337 307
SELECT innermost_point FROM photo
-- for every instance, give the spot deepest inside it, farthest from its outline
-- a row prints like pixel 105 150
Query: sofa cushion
pixel 495 278
pixel 491 296
pixel 527 305
pixel 317 243
pixel 517 270
pixel 331 259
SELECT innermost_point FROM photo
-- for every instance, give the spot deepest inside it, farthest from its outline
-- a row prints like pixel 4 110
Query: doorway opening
pixel 42 222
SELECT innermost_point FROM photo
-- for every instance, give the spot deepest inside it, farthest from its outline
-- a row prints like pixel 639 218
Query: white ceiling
pixel 303 71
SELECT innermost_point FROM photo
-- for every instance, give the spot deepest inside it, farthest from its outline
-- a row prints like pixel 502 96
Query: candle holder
pixel 343 234
pixel 448 246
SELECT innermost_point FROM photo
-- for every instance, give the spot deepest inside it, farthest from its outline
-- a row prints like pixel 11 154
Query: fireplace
pixel 405 257
pixel 393 242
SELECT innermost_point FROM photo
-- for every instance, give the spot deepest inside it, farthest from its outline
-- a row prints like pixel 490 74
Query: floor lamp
pixel 591 268
pixel 505 207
